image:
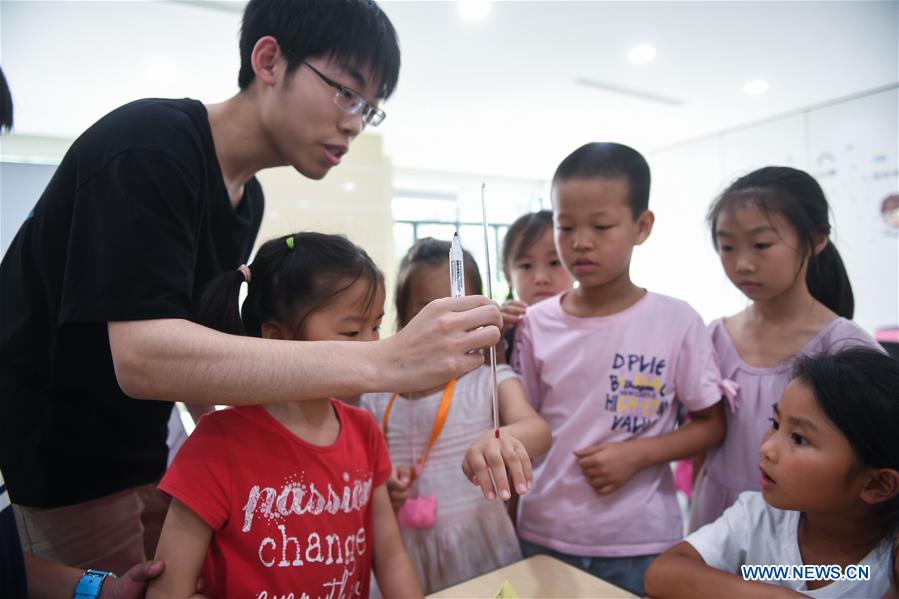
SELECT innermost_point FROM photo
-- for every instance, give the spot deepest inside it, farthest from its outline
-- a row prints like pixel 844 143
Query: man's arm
pixel 177 360
pixel 52 580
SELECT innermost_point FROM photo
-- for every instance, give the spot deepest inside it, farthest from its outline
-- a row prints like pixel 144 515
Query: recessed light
pixel 349 186
pixel 756 87
pixel 474 10
pixel 641 54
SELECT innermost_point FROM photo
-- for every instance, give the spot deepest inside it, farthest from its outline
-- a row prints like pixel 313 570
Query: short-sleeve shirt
pixel 606 380
pixel 289 518
pixel 134 223
pixel 734 464
pixel 751 532
pixel 409 430
pixel 12 564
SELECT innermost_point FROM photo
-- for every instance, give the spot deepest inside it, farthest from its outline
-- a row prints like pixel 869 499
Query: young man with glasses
pixel 147 206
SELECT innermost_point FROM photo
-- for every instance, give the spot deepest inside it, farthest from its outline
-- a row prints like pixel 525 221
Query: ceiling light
pixel 349 186
pixel 474 10
pixel 756 87
pixel 641 54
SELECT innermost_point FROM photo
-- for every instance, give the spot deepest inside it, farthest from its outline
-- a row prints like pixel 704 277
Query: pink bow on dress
pixel 731 390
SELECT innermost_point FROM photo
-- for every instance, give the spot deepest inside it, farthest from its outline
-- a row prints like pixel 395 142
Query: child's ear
pixel 271 330
pixel 644 226
pixel 820 244
pixel 882 486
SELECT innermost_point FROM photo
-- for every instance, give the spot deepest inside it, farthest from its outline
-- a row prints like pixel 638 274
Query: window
pixel 439 214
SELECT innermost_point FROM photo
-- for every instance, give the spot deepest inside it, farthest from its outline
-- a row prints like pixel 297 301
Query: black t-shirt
pixel 134 223
pixel 13 584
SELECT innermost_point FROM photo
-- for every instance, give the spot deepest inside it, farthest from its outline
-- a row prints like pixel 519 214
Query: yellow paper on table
pixel 506 592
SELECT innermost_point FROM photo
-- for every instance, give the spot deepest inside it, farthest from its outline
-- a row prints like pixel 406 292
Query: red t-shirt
pixel 289 518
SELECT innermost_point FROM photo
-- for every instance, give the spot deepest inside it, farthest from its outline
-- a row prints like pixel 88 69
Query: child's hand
pixel 398 486
pixel 489 456
pixel 608 466
pixel 512 312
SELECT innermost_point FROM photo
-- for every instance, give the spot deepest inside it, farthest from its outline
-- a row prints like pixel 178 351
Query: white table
pixel 541 577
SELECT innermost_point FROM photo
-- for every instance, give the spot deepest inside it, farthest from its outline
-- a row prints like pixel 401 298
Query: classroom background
pixel 499 92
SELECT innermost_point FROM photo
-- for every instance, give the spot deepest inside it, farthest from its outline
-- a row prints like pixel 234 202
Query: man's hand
pixel 133 583
pixel 608 466
pixel 440 343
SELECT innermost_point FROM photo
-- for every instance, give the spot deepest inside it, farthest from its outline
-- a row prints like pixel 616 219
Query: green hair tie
pixel 290 243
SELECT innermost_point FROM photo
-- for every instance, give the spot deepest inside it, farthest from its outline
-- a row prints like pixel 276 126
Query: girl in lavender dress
pixel 771 230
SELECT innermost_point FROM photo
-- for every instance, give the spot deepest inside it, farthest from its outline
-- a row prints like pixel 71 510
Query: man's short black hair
pixel 354 32
pixel 5 104
pixel 607 159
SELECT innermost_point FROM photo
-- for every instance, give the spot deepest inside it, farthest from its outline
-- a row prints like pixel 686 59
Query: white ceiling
pixel 493 97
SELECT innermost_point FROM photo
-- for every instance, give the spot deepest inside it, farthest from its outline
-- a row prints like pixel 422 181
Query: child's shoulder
pixel 228 418
pixel 668 316
pixel 757 513
pixel 668 304
pixel 482 377
pixel 842 333
pixel 359 418
pixel 551 308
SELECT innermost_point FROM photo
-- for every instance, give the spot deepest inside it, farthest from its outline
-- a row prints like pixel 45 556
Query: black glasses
pixel 350 101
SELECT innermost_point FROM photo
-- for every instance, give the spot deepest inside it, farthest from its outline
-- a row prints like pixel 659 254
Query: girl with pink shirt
pixel 771 230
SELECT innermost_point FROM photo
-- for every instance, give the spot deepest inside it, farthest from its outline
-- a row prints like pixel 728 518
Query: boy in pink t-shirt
pixel 604 364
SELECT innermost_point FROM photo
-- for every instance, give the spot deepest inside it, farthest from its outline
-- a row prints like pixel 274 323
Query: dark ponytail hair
pixel 858 389
pixel 796 196
pixel 519 238
pixel 428 252
pixel 291 277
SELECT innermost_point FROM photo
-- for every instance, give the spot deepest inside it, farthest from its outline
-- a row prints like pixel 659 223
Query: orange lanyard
pixel 438 424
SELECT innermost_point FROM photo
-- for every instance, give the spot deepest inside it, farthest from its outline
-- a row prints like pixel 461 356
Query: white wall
pixel 849 146
pixel 21 184
pixel 354 200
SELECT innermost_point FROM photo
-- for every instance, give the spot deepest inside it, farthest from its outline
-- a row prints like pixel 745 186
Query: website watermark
pixel 805 572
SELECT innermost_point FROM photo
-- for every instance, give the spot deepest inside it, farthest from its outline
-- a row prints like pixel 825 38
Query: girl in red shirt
pixel 287 500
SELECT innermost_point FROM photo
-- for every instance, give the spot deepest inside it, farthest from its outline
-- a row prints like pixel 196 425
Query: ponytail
pixel 797 196
pixel 828 281
pixel 292 277
pixel 218 306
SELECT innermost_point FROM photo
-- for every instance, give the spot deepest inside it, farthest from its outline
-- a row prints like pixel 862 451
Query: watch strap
pixel 91 584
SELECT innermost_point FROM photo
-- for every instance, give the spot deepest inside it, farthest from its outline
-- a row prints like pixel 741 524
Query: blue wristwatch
pixel 90 584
